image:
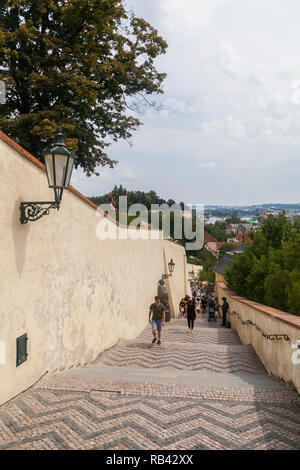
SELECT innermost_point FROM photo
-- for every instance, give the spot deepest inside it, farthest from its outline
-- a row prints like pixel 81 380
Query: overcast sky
pixel 229 131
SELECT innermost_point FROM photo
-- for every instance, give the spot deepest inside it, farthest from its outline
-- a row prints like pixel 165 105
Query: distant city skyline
pixel 229 129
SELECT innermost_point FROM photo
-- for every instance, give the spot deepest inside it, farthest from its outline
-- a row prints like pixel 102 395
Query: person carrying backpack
pixel 203 304
pixel 191 314
pixel 182 307
pixel 217 306
pixel 211 310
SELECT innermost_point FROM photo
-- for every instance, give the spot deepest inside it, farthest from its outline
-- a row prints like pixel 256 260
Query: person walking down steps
pixel 225 308
pixel 191 314
pixel 158 312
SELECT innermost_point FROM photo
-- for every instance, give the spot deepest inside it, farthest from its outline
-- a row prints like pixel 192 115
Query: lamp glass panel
pixel 49 169
pixel 69 171
pixel 61 162
pixel 171 266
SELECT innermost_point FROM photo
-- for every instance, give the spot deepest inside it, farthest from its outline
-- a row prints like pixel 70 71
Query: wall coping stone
pixel 290 319
pixel 40 165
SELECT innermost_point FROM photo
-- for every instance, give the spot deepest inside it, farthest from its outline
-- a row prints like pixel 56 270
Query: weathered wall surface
pixel 194 267
pixel 175 284
pixel 219 277
pixel 72 293
pixel 277 356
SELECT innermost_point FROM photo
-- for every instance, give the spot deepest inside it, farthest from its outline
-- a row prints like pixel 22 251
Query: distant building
pixel 244 239
pixel 210 243
pixel 237 229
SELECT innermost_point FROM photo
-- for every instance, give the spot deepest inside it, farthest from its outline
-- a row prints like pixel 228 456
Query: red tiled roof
pixel 208 237
pixel 245 239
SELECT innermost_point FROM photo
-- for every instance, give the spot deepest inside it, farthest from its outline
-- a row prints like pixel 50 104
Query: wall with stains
pixel 254 322
pixel 73 293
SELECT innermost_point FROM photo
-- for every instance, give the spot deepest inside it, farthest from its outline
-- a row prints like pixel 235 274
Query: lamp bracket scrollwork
pixel 32 211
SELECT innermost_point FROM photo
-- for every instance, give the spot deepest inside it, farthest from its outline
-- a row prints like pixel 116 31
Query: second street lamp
pixel 171 266
pixel 59 162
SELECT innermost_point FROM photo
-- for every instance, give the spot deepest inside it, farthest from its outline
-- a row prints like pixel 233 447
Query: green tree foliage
pixel 234 219
pixel 206 275
pixel 269 270
pixel 207 260
pixel 225 248
pixel 81 65
pixel 217 230
pixel 148 200
pixel 133 197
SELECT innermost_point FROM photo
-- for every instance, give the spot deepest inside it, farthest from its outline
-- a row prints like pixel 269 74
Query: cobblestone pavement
pixel 200 391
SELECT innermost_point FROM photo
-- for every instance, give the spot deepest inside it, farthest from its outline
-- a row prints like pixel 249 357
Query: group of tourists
pixel 203 301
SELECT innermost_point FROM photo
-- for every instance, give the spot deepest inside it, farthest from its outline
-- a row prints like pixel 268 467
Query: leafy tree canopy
pixel 269 270
pixel 82 65
pixel 234 219
pixel 225 248
pixel 133 197
pixel 217 230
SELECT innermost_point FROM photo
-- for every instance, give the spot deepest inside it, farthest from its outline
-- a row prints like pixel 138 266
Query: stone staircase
pixel 208 349
pixel 200 391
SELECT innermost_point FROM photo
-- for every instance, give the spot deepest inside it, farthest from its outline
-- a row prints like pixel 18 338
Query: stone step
pixel 185 346
pixel 200 335
pixel 205 359
pixel 261 387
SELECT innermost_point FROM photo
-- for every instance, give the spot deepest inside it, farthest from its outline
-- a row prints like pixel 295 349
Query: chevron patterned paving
pixel 227 362
pixel 204 333
pixel 201 335
pixel 208 353
pixel 69 412
pixel 71 420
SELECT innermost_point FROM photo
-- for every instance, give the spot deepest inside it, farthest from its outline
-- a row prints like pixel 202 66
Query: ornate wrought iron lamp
pixel 59 162
pixel 171 267
pixel 192 274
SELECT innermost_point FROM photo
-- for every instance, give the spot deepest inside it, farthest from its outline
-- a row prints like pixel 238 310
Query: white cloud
pixel 130 175
pixel 208 165
pixel 180 105
pixel 230 104
pixel 191 16
pixel 229 127
pixel 232 63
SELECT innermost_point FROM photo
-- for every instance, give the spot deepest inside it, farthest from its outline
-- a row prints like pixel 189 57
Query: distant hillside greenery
pixel 205 259
pixel 134 197
pixel 147 199
pixel 268 271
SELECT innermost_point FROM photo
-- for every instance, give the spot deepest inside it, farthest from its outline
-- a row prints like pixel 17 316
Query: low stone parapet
pixel 275 335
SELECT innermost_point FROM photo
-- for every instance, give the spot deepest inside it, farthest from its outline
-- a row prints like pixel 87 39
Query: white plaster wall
pixel 175 284
pixel 73 294
pixel 275 355
pixel 194 267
